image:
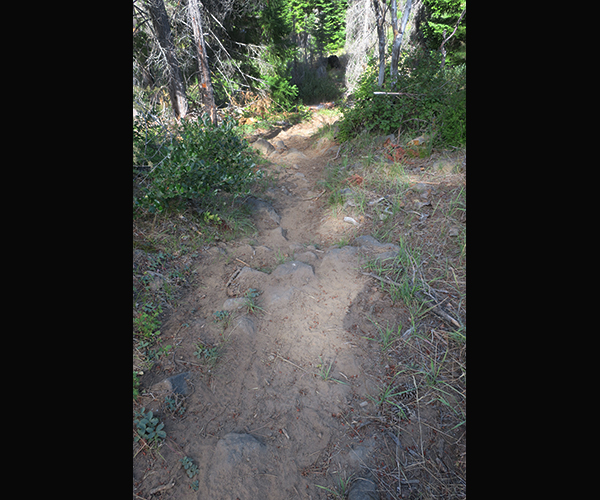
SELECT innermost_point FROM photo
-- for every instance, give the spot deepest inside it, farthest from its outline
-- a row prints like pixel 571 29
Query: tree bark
pixel 160 21
pixel 379 18
pixel 398 34
pixel 204 72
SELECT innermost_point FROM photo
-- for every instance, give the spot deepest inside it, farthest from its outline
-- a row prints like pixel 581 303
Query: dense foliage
pixel 200 160
pixel 438 17
pixel 433 100
pixel 279 47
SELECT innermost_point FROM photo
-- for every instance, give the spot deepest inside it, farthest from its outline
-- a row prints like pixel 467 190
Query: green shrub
pixel 201 160
pixel 316 89
pixel 436 101
pixel 283 92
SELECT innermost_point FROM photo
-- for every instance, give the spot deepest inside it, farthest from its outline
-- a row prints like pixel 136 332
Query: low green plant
pixel 387 335
pixel 209 354
pixel 191 469
pixel 147 324
pixel 136 386
pixel 174 405
pixel 324 369
pixel 250 303
pixel 221 316
pixel 149 428
pixel 342 489
pixel 212 218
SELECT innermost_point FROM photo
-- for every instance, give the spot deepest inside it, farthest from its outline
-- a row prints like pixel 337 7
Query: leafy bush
pixel 201 160
pixel 436 101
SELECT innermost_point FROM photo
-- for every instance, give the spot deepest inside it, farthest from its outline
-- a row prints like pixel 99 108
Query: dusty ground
pixel 295 395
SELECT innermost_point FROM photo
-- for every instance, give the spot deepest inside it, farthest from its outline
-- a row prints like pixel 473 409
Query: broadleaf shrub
pixel 436 101
pixel 201 160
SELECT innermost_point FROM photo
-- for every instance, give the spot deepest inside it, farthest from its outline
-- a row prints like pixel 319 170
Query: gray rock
pixel 277 296
pixel 370 245
pixel 294 154
pixel 363 488
pixel 176 384
pixel 233 304
pixel 248 278
pixel 306 257
pixel 386 257
pixel 420 187
pixel 244 324
pixel 263 146
pixel 263 208
pixel 233 465
pixel 340 258
pixel 277 236
pixel 234 448
pixel 298 272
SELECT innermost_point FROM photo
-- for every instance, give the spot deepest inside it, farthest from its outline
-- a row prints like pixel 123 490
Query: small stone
pixel 263 208
pixel 370 245
pixel 363 488
pixel 233 304
pixel 244 325
pixel 176 384
pixel 276 296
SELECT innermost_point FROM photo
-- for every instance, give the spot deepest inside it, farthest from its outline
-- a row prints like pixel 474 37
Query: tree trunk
pixel 160 21
pixel 379 19
pixel 398 36
pixel 205 81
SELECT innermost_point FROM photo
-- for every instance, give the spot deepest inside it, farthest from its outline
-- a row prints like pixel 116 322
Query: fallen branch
pixel 314 198
pixel 436 308
pixel 385 280
pixel 163 487
pixel 293 364
pixel 398 93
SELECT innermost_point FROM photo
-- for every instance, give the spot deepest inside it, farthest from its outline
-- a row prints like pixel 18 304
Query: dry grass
pixel 419 205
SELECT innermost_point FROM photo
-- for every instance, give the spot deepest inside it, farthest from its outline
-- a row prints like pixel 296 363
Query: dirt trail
pixel 272 416
pixel 286 407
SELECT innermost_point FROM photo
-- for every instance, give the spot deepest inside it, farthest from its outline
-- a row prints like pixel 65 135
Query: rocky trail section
pixel 286 406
